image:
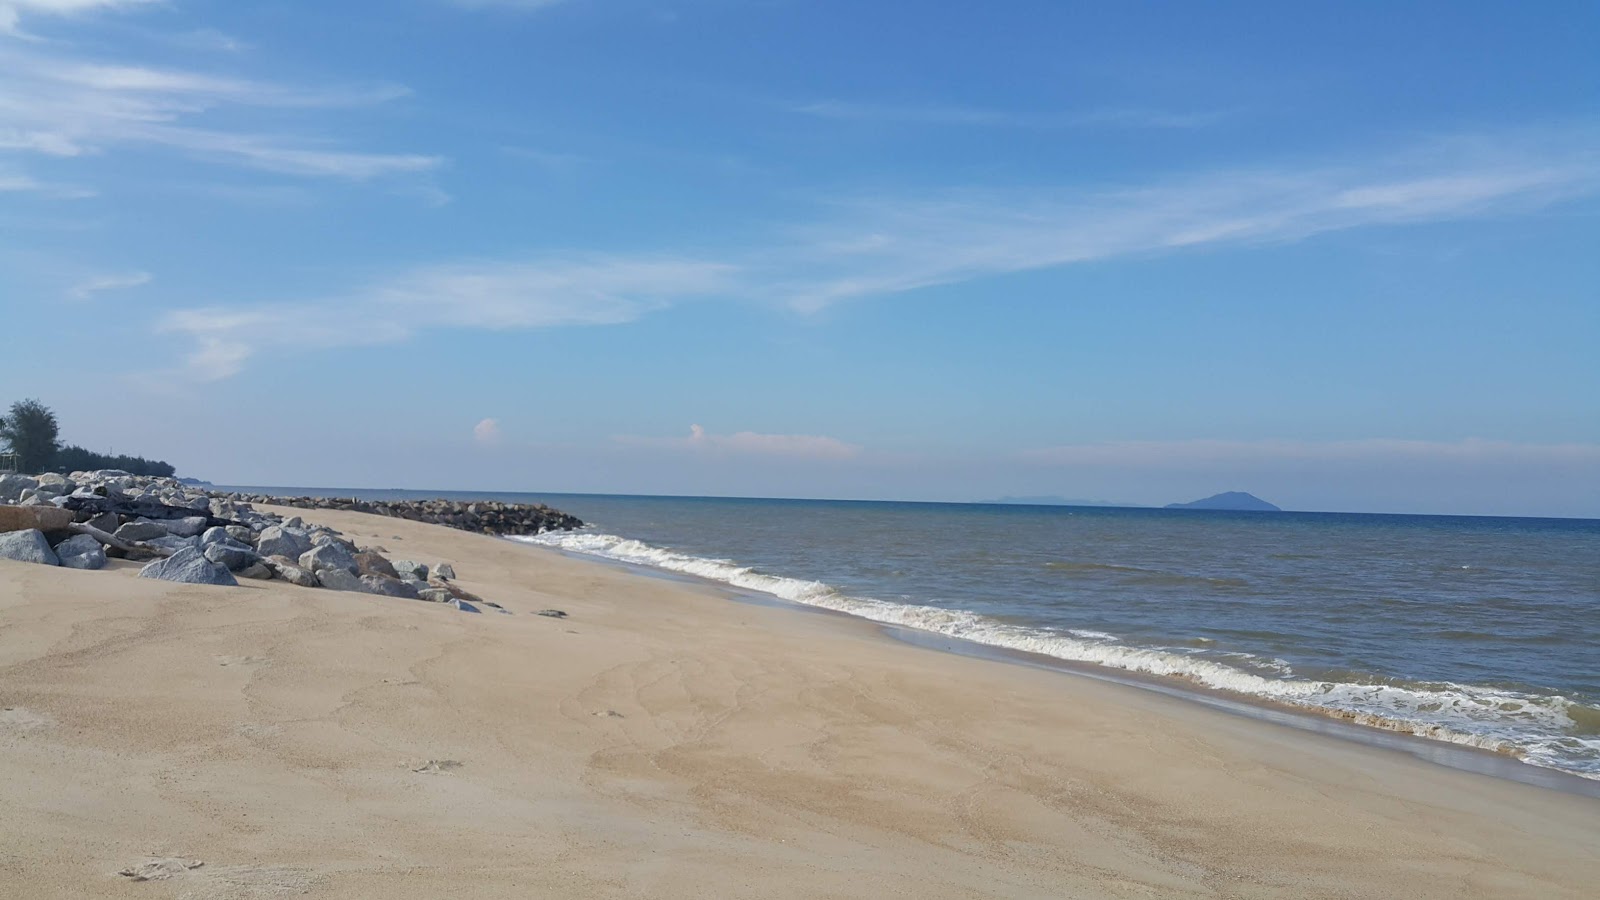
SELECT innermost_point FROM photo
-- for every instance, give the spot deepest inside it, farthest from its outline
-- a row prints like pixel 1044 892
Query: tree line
pixel 30 431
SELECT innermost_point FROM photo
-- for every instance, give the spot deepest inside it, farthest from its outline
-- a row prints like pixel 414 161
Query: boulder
pixel 463 605
pixel 241 533
pixel 406 567
pixel 28 546
pixel 41 518
pixel 12 486
pixel 214 534
pixel 340 580
pixel 294 522
pixel 369 562
pixel 285 568
pixel 388 587
pixel 56 483
pixel 188 527
pixel 233 555
pixel 435 595
pixel 331 555
pixel 81 552
pixel 281 540
pixel 188 566
pixel 445 571
pixel 106 522
pixel 142 530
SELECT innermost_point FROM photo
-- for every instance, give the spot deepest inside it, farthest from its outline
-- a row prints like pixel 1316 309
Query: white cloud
pixel 882 246
pixel 58 105
pixel 1210 453
pixel 486 432
pixel 12 11
pixel 750 443
pixel 964 116
pixel 493 296
pixel 91 286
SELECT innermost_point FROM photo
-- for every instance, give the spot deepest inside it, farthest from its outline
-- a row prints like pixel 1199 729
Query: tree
pixel 30 430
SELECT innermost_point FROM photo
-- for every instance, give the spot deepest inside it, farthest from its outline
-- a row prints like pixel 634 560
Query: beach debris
pixel 160 868
pixel 81 552
pixel 189 566
pixel 436 767
pixel 28 546
pixel 608 713
pixel 33 518
pixel 552 613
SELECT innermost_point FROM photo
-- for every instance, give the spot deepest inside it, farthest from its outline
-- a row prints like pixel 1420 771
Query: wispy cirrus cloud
pixel 87 288
pixel 887 245
pixel 750 443
pixel 882 246
pixel 56 104
pixel 976 116
pixel 484 296
pixel 13 11
pixel 1192 454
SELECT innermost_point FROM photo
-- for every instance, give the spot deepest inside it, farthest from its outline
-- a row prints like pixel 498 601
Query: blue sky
pixel 1342 258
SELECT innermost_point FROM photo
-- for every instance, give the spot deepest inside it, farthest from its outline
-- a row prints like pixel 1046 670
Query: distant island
pixel 1233 500
pixel 1050 500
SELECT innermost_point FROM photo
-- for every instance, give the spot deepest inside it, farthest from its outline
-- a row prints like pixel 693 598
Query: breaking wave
pixel 1542 730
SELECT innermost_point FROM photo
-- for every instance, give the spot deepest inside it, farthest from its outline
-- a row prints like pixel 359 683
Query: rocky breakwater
pixel 198 537
pixel 482 516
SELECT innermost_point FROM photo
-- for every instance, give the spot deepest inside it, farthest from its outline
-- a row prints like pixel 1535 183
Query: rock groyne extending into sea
pixel 483 516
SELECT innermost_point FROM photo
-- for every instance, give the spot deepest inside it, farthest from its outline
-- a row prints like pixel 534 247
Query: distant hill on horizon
pixel 1052 500
pixel 1231 500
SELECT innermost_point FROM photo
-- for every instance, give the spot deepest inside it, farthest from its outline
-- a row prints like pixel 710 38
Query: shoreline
pixel 1391 734
pixel 661 741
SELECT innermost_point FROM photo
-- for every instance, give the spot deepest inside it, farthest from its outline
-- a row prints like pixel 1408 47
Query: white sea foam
pixel 1536 729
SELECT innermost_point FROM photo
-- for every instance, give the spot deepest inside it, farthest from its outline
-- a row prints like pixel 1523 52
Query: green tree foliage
pixel 74 459
pixel 30 430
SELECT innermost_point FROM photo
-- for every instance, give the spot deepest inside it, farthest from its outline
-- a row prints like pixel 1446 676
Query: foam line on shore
pixel 1539 730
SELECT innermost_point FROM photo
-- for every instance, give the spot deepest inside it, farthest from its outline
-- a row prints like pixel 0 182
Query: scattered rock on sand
pixel 445 571
pixel 436 766
pixel 435 595
pixel 160 869
pixel 189 566
pixel 553 613
pixel 81 552
pixel 28 546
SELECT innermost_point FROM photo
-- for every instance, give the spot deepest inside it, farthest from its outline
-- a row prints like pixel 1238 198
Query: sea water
pixel 1476 631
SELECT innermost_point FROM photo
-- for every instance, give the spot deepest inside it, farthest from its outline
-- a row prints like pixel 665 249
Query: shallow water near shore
pixel 1472 631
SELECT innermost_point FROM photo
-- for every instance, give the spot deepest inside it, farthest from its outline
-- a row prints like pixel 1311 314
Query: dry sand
pixel 663 741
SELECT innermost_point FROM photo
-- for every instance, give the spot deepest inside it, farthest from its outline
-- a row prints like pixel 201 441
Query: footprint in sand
pixel 203 882
pixel 241 660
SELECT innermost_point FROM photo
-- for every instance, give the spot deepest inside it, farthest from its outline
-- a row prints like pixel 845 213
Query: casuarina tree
pixel 29 429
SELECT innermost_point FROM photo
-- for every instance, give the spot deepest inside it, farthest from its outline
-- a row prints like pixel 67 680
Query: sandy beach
pixel 664 741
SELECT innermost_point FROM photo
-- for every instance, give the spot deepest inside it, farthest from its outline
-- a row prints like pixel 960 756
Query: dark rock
pixel 406 567
pixel 235 556
pixel 189 566
pixel 553 613
pixel 258 571
pixel 286 569
pixel 445 571
pixel 191 526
